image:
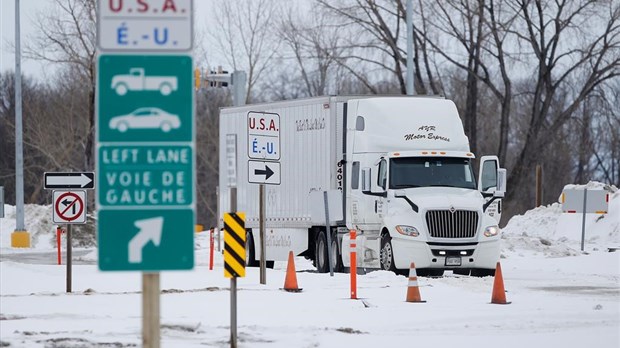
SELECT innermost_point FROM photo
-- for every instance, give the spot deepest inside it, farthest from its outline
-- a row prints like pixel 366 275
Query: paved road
pixel 47 257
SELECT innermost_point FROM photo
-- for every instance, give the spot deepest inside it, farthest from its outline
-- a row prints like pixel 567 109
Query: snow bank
pixel 547 231
pixel 38 221
pixel 543 231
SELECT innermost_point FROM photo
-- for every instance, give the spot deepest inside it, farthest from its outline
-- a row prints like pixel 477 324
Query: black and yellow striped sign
pixel 234 245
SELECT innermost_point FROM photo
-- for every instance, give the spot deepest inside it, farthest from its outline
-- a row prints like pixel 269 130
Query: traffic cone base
pixel 290 282
pixel 499 293
pixel 413 292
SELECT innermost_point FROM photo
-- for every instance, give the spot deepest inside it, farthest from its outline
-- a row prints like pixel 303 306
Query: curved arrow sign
pixel 150 231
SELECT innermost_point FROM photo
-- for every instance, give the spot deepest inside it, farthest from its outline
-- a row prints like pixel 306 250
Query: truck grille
pixel 452 224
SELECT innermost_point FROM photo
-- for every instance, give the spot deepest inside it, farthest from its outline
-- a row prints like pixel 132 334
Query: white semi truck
pixel 401 171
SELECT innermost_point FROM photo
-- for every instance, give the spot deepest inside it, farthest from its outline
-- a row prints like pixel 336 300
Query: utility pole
pixel 20 238
pixel 410 82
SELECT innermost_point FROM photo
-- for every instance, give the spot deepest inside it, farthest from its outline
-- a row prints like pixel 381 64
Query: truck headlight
pixel 491 231
pixel 407 230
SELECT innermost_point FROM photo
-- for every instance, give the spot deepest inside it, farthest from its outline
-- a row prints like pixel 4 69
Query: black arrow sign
pixel 267 172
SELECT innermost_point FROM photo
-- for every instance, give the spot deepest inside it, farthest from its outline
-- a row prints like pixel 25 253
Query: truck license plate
pixel 453 261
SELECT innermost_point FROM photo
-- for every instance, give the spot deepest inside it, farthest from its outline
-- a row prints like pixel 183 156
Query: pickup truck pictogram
pixel 136 80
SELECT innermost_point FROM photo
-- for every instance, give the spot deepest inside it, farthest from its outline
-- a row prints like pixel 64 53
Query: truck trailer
pixel 398 170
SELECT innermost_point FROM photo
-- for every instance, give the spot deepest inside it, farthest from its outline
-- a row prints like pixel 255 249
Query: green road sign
pixel 145 98
pixel 146 240
pixel 152 175
pixel 145 162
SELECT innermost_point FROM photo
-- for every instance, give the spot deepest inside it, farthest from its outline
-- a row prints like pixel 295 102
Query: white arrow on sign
pixel 150 230
pixel 63 180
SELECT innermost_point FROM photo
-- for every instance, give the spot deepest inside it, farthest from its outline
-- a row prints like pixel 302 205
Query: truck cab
pixel 418 198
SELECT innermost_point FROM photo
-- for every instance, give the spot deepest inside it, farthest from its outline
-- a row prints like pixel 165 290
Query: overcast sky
pixel 29 10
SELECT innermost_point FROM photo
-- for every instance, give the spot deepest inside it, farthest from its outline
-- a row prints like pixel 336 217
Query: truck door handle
pixel 376 206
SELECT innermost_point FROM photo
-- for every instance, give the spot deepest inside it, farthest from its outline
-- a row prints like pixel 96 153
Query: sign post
pixel 263 167
pixel 145 143
pixel 69 207
pixel 584 201
pixel 234 263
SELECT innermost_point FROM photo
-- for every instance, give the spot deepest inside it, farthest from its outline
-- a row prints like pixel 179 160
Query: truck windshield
pixel 407 172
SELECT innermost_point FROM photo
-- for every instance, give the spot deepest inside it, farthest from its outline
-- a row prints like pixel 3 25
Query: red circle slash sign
pixel 72 202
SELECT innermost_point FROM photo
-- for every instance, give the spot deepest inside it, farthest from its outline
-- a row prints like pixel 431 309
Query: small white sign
pixel 145 25
pixel 596 201
pixel 69 207
pixel 264 136
pixel 317 206
pixel 262 172
pixel 231 159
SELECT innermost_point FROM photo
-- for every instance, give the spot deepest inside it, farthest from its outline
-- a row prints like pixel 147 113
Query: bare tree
pixel 376 40
pixel 576 47
pixel 67 36
pixel 208 102
pixel 313 43
pixel 245 35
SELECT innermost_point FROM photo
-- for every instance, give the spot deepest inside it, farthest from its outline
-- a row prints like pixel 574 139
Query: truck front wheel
pixel 386 255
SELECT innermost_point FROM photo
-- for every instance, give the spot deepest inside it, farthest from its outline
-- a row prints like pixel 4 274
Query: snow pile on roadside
pixel 38 221
pixel 549 232
pixel 543 231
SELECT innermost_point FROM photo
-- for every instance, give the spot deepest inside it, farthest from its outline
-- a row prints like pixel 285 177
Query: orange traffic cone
pixel 413 293
pixel 290 282
pixel 499 294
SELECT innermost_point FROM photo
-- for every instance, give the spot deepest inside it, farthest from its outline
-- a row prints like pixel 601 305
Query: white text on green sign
pixel 138 175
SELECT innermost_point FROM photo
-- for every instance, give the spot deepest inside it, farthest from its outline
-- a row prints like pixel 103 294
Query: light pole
pixel 20 238
pixel 409 15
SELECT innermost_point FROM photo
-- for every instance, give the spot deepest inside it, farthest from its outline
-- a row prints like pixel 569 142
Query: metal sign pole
pixel 233 282
pixel 329 236
pixel 233 312
pixel 263 242
pixel 69 258
pixel 583 220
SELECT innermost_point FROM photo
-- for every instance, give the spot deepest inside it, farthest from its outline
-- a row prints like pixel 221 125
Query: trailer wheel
pixel 336 255
pixel 386 254
pixel 321 256
pixel 250 251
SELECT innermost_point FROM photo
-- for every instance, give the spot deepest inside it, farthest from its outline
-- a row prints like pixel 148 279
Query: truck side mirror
pixel 500 191
pixel 488 175
pixel 366 179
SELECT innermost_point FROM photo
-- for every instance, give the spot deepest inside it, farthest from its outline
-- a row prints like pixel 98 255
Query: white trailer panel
pixel 308 147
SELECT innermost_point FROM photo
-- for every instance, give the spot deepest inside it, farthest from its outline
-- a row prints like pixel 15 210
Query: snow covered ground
pixel 561 297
